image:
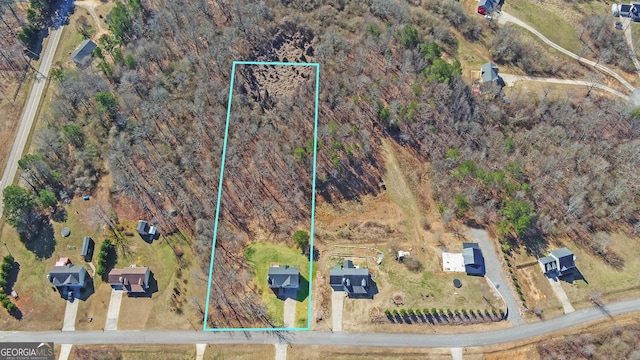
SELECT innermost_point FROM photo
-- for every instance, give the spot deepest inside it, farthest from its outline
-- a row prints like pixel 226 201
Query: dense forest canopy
pixel 154 120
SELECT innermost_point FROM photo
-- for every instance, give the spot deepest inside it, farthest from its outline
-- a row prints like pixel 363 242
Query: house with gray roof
pixel 356 282
pixel 473 259
pixel 68 276
pixel 83 54
pixel 489 74
pixel 558 263
pixel 283 277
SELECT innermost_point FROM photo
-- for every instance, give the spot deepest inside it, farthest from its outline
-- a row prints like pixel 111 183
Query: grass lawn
pixel 474 294
pixel 635 37
pixel 41 306
pixel 244 352
pixel 546 22
pixel 134 352
pixel 261 256
pixel 172 285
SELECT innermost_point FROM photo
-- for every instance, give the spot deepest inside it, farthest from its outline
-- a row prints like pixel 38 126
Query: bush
pixel 395 312
pixel 387 312
pixel 403 312
pixel 410 312
pixel 106 251
pixel 418 312
pixel 413 264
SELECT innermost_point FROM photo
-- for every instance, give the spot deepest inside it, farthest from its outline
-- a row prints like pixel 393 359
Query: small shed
pixel 87 248
pixel 83 54
pixel 143 228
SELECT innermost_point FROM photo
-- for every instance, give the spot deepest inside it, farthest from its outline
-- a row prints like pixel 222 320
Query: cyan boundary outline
pixel 313 196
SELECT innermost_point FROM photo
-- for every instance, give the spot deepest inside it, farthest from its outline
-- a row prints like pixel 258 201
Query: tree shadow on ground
pixel 59 215
pixel 12 277
pixel 39 237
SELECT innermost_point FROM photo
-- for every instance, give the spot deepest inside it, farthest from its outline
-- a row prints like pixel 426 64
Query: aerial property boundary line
pixel 313 197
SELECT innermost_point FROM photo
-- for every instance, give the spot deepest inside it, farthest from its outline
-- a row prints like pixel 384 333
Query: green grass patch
pixel 261 256
pixel 546 22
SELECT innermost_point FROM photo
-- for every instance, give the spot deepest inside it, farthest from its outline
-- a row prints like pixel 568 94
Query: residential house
pixel 83 54
pixel 67 277
pixel 281 278
pixel 133 279
pixel 356 282
pixel 489 74
pixel 559 262
pixel 473 259
pixel 147 231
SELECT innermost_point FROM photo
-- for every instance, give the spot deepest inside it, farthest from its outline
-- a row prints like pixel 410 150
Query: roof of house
pixel 547 259
pixel 489 72
pixel 560 253
pixel 134 279
pixel 143 226
pixel 283 276
pixel 67 275
pixel 85 49
pixel 354 280
pixel 472 256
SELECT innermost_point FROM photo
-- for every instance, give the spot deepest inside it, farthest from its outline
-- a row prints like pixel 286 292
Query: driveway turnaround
pixel 114 310
pixel 65 351
pixel 502 336
pixel 496 275
pixel 70 315
pixel 337 306
pixel 290 312
pixel 562 296
pixel 510 80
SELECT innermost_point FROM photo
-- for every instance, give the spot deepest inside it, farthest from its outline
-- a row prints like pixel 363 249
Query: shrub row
pixel 506 250
pixel 442 312
pixel 5 269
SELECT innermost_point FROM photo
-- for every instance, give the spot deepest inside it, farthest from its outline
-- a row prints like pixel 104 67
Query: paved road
pixel 512 79
pixel 29 114
pixel 327 338
pixel 496 275
pixel 505 18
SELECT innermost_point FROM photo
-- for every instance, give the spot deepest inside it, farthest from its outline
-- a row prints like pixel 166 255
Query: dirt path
pixel 90 6
pixel 400 193
pixel 510 80
pixel 505 18
pixel 626 24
